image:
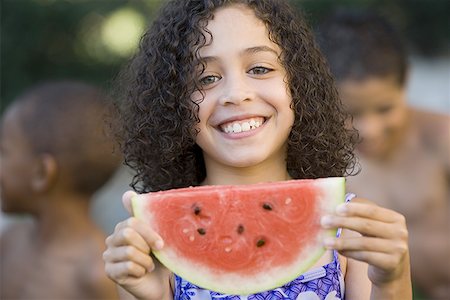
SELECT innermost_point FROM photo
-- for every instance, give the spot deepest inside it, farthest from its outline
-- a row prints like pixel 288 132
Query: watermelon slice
pixel 241 239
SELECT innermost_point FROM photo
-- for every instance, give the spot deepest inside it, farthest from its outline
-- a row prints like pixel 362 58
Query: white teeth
pixel 230 128
pixel 237 127
pixel 245 126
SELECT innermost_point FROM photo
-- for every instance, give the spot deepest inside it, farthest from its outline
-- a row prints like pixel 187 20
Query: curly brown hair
pixel 158 116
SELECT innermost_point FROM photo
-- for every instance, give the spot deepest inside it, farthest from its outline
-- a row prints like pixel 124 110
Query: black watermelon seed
pixel 202 231
pixel 267 206
pixel 260 243
pixel 197 210
pixel 240 229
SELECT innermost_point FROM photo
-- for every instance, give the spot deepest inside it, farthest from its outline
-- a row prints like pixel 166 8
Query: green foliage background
pixel 42 39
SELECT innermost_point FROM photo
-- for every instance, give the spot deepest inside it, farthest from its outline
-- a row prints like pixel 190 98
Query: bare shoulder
pixel 434 130
pixel 14 242
pixel 17 256
pixel 91 274
pixel 434 126
pixel 15 233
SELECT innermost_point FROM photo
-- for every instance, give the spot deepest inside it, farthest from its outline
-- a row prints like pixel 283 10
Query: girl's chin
pixel 242 160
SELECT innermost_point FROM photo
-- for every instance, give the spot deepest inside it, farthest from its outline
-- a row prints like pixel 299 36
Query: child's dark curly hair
pixel 158 116
pixel 359 44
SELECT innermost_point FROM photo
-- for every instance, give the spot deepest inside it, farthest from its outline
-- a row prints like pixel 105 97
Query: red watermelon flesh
pixel 241 239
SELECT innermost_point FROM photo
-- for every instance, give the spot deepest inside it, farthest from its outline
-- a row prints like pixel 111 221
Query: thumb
pixel 126 200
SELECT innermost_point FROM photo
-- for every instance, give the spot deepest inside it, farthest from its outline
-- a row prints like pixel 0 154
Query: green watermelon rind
pixel 168 257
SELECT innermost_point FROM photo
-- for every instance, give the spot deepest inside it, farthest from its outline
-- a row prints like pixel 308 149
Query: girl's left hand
pixel 382 241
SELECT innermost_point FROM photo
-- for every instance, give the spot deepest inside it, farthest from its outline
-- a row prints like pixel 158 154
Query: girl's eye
pixel 259 70
pixel 210 79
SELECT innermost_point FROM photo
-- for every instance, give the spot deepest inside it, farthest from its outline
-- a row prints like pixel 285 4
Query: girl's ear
pixel 44 173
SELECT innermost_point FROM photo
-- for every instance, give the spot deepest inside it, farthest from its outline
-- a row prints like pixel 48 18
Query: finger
pixel 365 244
pixel 365 226
pixel 125 235
pixel 369 211
pixel 129 253
pixel 137 233
pixel 126 200
pixel 377 259
pixel 122 270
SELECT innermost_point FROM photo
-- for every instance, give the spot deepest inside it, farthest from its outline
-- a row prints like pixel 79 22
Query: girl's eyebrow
pixel 253 50
pixel 247 51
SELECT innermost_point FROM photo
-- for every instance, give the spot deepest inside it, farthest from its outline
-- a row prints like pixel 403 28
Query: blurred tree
pixel 42 39
pixel 424 23
pixel 80 39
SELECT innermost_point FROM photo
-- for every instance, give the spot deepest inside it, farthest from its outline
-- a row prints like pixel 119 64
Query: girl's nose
pixel 235 91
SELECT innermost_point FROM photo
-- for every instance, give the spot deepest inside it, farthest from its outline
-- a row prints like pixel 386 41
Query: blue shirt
pixel 322 283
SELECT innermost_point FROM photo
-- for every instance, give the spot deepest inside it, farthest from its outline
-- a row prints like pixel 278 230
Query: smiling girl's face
pixel 245 117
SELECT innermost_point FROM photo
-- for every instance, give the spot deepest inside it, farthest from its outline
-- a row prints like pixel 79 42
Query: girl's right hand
pixel 128 261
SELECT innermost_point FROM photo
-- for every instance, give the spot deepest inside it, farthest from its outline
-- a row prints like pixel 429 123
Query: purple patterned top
pixel 322 283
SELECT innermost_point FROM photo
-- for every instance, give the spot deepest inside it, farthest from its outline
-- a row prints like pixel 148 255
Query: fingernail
pixel 342 209
pixel 326 221
pixel 159 245
pixel 328 242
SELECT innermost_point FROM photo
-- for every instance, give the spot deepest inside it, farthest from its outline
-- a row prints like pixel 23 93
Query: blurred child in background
pixel 404 152
pixel 54 156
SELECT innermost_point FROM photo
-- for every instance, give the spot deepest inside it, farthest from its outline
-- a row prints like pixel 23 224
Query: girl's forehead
pixel 232 16
pixel 236 26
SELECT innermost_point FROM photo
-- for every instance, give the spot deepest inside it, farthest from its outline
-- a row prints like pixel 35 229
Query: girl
pixel 236 92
